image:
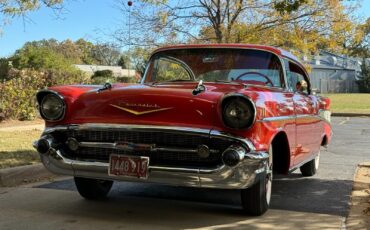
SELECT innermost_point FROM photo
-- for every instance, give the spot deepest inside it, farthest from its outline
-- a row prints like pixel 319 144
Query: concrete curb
pixel 11 177
pixel 349 115
pixel 359 212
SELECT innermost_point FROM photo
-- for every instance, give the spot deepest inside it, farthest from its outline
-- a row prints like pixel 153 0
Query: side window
pixel 297 79
pixel 167 70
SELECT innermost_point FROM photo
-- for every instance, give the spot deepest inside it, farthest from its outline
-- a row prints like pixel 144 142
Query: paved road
pixel 319 202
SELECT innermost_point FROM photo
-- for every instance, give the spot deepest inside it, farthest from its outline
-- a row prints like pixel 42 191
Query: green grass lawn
pixel 350 103
pixel 16 148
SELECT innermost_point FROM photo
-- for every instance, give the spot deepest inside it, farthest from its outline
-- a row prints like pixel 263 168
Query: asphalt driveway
pixel 321 201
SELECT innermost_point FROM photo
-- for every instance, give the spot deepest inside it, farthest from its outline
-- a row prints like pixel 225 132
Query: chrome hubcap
pixel 317 161
pixel 269 177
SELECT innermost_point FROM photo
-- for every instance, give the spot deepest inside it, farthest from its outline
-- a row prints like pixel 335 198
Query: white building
pixel 116 70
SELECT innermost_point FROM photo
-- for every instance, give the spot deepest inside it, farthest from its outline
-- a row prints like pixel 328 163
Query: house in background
pixel 331 73
pixel 117 71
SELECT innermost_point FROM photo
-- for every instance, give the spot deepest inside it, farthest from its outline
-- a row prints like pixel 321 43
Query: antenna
pixel 129 3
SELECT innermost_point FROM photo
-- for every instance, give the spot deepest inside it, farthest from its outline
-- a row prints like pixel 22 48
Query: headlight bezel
pixel 42 97
pixel 242 98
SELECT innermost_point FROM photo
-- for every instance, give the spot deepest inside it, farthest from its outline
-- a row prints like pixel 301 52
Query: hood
pixel 167 104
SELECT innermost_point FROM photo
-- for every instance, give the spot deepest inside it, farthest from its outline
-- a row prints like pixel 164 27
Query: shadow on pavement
pixel 292 193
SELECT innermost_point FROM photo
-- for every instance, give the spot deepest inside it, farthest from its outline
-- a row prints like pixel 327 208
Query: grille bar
pixel 172 149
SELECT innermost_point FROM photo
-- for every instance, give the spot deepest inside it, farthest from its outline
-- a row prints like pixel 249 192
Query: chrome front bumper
pixel 243 175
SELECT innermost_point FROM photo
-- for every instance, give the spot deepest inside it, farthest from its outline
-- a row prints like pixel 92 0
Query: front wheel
pixel 256 199
pixel 311 167
pixel 93 189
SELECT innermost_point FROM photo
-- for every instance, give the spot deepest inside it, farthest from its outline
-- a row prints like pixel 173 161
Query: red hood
pixel 169 104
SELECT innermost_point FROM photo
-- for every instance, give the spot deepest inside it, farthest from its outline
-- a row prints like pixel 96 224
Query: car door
pixel 304 109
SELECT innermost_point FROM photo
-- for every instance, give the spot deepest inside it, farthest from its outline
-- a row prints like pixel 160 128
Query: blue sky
pixel 89 19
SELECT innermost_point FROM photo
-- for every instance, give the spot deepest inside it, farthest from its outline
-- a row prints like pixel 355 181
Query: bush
pixel 102 76
pixel 17 95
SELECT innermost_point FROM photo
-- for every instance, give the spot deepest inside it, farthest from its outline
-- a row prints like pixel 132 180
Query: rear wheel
pixel 93 189
pixel 256 199
pixel 311 167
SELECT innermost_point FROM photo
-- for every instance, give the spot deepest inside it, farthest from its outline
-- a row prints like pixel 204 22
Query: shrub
pixel 102 76
pixel 17 95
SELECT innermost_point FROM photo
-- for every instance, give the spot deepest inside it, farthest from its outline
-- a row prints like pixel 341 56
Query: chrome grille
pixel 159 138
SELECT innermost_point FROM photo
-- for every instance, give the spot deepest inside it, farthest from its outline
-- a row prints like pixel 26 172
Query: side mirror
pixel 315 91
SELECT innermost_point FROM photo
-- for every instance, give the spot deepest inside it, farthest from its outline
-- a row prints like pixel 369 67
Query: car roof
pixel 278 51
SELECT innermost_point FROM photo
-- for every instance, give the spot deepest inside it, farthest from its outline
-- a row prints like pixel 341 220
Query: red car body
pixel 287 122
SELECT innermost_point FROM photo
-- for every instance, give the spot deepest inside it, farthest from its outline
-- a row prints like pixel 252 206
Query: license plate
pixel 128 166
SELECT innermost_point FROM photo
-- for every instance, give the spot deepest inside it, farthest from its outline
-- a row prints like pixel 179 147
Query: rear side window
pixel 297 78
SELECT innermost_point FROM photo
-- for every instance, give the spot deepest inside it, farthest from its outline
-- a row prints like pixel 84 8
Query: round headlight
pixel 238 113
pixel 52 107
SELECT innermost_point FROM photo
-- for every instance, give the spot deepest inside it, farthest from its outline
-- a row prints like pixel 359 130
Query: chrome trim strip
pixel 149 147
pixel 101 126
pixel 280 118
pixel 49 130
pixel 293 117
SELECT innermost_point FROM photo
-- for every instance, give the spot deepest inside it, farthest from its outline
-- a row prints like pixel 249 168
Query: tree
pixel 46 61
pixel 106 54
pixel 71 51
pixel 328 25
pixel 15 8
pixel 360 47
pixel 39 58
pixel 139 58
pixel 5 65
pixel 79 52
pixel 123 61
pixel 173 21
pixel 364 82
pixel 302 25
pixel 86 48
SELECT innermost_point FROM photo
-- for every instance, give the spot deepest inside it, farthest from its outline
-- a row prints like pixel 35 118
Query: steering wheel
pixel 256 73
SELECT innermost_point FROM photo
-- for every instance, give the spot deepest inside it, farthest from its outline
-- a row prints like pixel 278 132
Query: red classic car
pixel 214 116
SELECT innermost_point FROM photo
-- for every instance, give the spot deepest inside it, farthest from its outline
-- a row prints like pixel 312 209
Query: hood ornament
pixel 138 113
pixel 200 88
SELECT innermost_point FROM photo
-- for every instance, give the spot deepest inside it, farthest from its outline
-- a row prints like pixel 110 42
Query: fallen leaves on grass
pixel 16 148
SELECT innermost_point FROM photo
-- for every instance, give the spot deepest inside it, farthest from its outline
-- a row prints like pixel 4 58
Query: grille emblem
pixel 137 113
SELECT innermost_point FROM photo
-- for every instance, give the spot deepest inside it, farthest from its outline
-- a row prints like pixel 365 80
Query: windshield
pixel 216 65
